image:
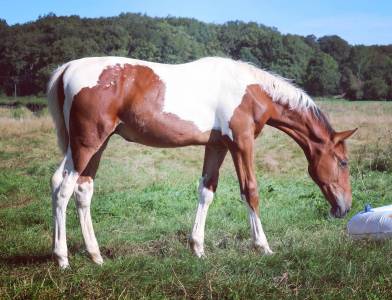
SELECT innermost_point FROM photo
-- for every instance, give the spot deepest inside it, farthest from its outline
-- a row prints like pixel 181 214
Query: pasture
pixel 144 207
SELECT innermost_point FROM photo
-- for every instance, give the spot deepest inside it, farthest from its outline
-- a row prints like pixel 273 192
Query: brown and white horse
pixel 217 102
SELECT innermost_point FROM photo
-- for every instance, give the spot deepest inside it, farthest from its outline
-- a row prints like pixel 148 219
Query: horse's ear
pixel 343 135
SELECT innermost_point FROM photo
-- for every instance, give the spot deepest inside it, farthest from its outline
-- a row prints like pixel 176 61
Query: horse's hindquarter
pixel 157 104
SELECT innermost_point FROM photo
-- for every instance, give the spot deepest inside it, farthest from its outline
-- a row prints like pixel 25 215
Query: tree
pixel 358 60
pixel 322 75
pixel 335 46
pixel 29 52
pixel 350 85
pixel 311 40
pixel 375 89
pixel 293 60
pixel 247 55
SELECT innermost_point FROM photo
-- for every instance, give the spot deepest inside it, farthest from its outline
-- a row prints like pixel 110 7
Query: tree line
pixel 322 66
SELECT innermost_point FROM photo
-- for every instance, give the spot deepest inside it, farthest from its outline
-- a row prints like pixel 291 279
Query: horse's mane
pixel 284 91
pixel 322 118
pixel 280 89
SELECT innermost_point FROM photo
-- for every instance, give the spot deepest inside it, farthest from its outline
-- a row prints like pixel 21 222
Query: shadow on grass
pixel 30 259
pixel 18 260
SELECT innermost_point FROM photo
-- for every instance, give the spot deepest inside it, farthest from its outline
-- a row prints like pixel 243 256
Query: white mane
pixel 280 89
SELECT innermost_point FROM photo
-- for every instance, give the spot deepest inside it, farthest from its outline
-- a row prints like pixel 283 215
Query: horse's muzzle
pixel 341 208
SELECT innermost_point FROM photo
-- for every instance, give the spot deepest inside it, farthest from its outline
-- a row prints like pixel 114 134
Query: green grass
pixel 144 206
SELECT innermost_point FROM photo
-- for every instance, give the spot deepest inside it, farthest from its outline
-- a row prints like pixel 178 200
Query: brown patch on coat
pixel 254 111
pixel 127 100
pixel 83 179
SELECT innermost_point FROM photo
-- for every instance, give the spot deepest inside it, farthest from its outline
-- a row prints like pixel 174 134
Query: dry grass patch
pixel 20 122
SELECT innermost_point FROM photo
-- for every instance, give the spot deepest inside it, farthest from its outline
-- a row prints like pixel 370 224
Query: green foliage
pixel 350 85
pixel 375 88
pixel 29 52
pixel 322 75
pixel 335 46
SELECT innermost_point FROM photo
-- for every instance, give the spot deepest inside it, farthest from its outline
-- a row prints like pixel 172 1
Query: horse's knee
pixel 63 188
pixel 56 180
pixel 211 181
pixel 251 194
pixel 58 177
pixel 83 191
pixel 205 194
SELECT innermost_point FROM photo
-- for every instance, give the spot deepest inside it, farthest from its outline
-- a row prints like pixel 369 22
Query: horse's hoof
pixel 97 258
pixel 63 263
pixel 200 254
pixel 197 248
pixel 263 250
pixel 268 251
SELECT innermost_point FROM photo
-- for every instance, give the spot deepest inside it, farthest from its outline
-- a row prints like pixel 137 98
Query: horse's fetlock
pixel 197 245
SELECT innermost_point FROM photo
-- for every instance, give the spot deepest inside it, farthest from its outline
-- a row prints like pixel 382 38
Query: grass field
pixel 144 207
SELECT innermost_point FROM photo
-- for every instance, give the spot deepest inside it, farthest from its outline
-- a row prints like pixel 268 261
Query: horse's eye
pixel 343 163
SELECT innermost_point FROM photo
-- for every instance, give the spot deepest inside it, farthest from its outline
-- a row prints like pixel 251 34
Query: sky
pixel 358 22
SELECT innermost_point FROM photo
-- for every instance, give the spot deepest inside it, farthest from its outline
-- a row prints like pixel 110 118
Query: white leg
pixel 258 236
pixel 197 237
pixel 58 176
pixel 61 193
pixel 83 195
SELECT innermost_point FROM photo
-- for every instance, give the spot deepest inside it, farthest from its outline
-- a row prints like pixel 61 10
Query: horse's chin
pixel 338 212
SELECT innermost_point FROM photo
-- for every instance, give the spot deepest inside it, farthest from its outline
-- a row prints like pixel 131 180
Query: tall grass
pixel 376 156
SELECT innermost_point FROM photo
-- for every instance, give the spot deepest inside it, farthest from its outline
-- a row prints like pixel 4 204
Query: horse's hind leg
pixel 213 159
pixel 73 165
pixel 63 182
pixel 83 193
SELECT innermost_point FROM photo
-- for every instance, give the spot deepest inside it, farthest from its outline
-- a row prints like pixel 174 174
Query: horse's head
pixel 328 167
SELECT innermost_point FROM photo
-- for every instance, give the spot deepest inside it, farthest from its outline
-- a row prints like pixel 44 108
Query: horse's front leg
pixel 213 159
pixel 243 158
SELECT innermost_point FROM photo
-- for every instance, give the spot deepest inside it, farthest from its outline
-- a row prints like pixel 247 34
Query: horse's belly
pixel 163 130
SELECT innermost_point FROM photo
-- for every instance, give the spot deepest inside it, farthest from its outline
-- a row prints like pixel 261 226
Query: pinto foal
pixel 217 102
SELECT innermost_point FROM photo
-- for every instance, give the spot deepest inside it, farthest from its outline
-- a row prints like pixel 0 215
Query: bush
pixel 375 88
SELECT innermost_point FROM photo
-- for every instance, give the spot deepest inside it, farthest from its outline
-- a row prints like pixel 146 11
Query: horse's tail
pixel 56 96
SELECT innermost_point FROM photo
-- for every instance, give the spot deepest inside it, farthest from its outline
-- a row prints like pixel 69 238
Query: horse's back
pixel 204 92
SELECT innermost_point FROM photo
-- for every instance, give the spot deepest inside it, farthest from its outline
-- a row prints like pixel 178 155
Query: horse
pixel 219 103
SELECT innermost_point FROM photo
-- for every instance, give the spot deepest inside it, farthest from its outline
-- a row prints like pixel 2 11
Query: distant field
pixel 144 207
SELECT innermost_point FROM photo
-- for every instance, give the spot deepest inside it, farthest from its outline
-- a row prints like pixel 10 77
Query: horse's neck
pixel 303 126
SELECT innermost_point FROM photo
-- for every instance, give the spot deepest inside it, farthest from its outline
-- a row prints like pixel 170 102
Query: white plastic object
pixel 372 223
